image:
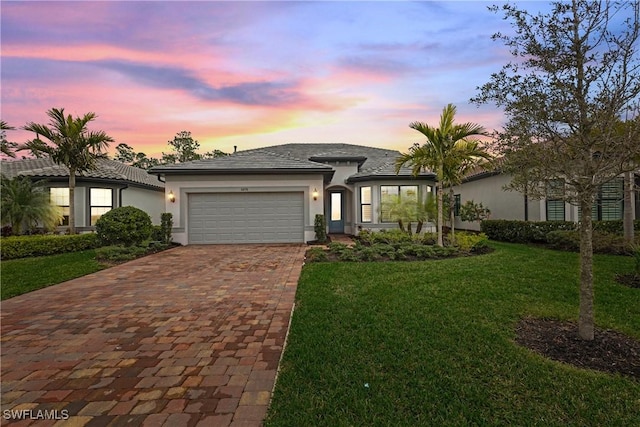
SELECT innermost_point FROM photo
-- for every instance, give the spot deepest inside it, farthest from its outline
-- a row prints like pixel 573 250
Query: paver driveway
pixel 189 336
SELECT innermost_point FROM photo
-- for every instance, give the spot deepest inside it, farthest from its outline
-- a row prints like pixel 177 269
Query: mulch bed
pixel 610 351
pixel 630 280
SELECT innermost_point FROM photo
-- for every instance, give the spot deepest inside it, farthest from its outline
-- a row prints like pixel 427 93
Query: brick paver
pixel 190 336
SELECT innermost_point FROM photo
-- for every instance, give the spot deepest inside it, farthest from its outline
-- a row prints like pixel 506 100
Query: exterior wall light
pixel 171 197
pixel 315 194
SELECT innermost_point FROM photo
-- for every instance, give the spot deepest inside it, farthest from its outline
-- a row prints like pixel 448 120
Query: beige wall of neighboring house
pixel 152 202
pixel 510 205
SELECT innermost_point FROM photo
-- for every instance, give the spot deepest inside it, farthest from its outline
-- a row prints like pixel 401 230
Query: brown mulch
pixel 630 280
pixel 610 351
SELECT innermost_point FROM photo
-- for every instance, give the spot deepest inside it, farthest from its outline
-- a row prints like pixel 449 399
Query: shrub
pixel 320 228
pixel 468 242
pixel 29 246
pixel 156 233
pixel 603 243
pixel 522 231
pixel 316 255
pixel 126 226
pixel 119 253
pixel 614 227
pixel 166 226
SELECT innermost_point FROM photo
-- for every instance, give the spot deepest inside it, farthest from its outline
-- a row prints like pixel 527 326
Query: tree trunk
pixel 452 215
pixel 439 191
pixel 628 209
pixel 586 320
pixel 72 202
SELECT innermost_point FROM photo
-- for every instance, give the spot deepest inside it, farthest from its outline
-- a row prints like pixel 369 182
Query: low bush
pixel 157 233
pixel 316 255
pixel 603 243
pixel 125 225
pixel 120 253
pixel 522 231
pixel 613 227
pixel 471 242
pixel 166 227
pixel 30 246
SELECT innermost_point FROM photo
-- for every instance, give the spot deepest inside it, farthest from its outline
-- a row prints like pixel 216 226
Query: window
pixel 101 202
pixel 456 204
pixel 611 200
pixel 391 195
pixel 365 204
pixel 60 197
pixel 609 204
pixel 555 200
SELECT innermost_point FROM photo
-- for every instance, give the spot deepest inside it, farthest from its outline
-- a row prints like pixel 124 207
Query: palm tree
pixel 465 155
pixel 24 204
pixel 70 144
pixel 6 147
pixel 437 151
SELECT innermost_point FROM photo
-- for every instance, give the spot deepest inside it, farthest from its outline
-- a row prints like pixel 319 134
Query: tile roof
pixel 245 161
pixel 374 162
pixel 107 170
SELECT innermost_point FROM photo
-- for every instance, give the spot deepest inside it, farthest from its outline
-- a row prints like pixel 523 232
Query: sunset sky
pixel 249 74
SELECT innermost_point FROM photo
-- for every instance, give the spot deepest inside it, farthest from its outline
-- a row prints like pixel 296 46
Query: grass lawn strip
pixel 24 275
pixel 433 343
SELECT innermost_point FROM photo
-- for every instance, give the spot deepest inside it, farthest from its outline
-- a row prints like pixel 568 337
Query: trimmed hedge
pixel 536 232
pixel 29 246
pixel 603 243
pixel 614 227
pixel 522 231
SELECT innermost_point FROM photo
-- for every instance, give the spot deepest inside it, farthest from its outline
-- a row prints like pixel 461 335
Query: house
pixel 112 184
pixel 487 187
pixel 272 194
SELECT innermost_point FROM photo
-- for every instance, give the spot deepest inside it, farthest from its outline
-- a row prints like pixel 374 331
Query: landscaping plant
pixel 125 226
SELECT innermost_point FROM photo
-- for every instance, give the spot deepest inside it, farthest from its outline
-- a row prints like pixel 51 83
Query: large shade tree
pixel 575 75
pixel 438 152
pixel 69 142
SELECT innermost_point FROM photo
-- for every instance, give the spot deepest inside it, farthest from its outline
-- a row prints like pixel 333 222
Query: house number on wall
pixel 244 189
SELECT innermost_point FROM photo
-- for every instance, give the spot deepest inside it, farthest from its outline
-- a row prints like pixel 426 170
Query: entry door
pixel 336 212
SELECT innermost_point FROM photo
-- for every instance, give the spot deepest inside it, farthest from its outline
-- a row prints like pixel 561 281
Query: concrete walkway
pixel 190 336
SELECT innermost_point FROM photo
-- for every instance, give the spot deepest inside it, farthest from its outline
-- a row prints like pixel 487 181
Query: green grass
pixel 432 343
pixel 28 274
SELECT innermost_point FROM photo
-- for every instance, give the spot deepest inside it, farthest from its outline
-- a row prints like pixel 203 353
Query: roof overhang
pixel 378 177
pixel 327 173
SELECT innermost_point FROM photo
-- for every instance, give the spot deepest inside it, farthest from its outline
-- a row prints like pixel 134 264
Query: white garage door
pixel 246 218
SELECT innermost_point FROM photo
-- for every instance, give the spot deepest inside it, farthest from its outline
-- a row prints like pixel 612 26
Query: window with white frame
pixel 391 195
pixel 365 204
pixel 60 197
pixel 101 202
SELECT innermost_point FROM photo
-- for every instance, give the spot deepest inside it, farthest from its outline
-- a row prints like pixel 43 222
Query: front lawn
pixel 28 274
pixel 432 343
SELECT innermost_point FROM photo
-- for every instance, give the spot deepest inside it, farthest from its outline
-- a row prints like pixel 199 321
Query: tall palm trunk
pixel 72 201
pixel 452 214
pixel 439 191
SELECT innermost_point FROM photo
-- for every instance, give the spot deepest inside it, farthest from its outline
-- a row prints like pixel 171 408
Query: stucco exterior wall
pixel 152 202
pixel 182 186
pixel 502 204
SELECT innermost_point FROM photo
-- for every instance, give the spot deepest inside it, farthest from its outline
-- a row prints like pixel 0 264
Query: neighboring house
pixel 112 184
pixel 487 187
pixel 272 194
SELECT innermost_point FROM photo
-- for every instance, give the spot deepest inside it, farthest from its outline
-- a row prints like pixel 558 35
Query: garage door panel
pixel 246 218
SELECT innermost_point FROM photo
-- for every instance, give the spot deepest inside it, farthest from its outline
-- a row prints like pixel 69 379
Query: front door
pixel 336 212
